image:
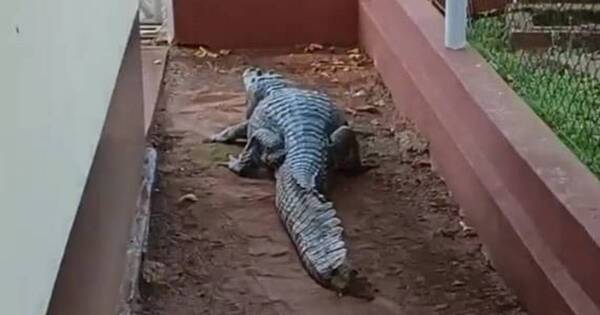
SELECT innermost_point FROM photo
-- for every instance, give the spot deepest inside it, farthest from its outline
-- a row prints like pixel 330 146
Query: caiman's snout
pixel 252 71
pixel 250 76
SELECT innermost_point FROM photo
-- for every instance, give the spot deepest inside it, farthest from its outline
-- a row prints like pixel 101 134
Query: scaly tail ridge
pixel 315 230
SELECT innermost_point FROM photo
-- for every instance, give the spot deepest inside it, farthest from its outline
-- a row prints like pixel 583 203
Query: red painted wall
pixel 265 23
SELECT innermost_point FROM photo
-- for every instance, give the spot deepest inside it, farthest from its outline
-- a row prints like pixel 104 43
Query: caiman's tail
pixel 316 232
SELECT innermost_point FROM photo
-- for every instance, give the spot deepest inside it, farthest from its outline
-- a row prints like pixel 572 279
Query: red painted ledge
pixel 264 23
pixel 536 207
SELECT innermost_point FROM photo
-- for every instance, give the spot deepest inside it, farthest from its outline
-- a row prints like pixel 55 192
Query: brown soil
pixel 226 252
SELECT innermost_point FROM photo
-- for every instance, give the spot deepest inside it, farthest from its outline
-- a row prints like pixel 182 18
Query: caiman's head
pixel 258 84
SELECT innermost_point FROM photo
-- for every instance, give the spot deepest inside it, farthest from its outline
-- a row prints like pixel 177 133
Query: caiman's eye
pixel 259 72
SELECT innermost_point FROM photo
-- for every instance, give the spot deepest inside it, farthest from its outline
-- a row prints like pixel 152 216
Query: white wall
pixel 58 64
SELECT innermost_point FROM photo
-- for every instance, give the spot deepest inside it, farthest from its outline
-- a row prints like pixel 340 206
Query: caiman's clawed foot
pixel 213 139
pixel 218 138
pixel 230 134
pixel 345 153
pixel 233 164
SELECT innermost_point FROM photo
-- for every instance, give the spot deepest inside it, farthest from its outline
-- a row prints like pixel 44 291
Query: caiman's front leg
pixel 345 152
pixel 230 134
pixel 264 148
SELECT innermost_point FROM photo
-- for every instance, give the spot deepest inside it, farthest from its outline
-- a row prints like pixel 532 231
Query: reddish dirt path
pixel 227 253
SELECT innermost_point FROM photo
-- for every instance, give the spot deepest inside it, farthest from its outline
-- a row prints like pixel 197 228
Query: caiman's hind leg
pixel 345 152
pixel 264 148
pixel 230 134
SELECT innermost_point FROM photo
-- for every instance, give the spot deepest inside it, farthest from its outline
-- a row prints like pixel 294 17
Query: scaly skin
pixel 300 134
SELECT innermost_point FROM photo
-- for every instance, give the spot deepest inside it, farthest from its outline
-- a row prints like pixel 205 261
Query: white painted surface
pixel 151 11
pixel 456 24
pixel 169 21
pixel 58 64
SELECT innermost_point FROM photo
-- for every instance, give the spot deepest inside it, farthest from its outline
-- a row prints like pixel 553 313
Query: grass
pixel 567 100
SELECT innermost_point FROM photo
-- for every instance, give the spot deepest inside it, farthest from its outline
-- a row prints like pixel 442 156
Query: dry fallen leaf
pixel 355 57
pixel 203 52
pixel 188 197
pixel 350 111
pixel 359 93
pixel 353 51
pixel 154 271
pixel 313 47
pixel 224 52
pixel 367 109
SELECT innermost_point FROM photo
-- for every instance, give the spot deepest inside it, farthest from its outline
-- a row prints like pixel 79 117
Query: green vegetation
pixel 566 99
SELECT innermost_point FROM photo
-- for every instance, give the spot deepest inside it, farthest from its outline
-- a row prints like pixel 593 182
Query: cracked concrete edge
pixel 136 249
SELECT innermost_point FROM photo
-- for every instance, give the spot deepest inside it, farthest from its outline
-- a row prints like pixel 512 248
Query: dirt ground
pixel 216 245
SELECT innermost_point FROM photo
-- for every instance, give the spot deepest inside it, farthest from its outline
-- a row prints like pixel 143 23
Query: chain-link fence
pixel 549 52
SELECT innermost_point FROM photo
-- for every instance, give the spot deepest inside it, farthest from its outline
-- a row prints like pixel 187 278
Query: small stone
pixel 458 283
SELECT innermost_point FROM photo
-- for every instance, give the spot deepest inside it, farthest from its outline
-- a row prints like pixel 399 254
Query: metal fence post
pixel 456 24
